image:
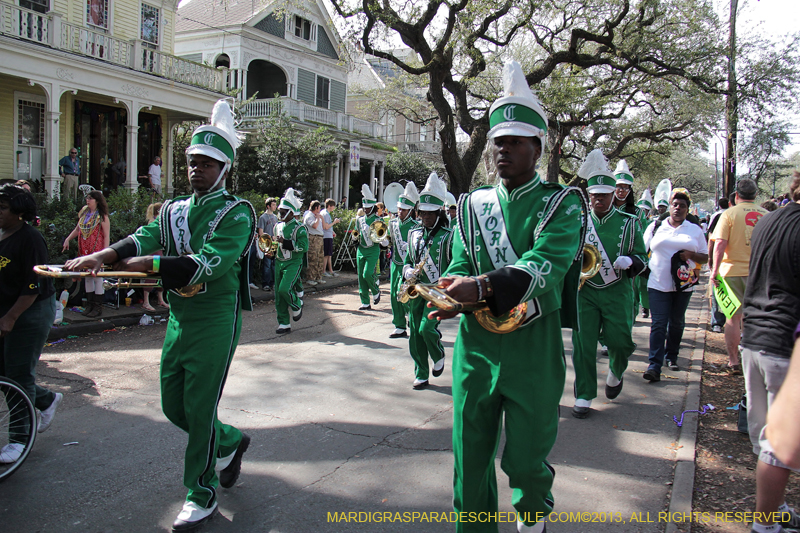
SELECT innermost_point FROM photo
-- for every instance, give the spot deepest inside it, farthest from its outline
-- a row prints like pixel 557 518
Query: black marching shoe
pixel 419 384
pixel 398 333
pixel 192 516
pixel 297 316
pixel 613 392
pixel 281 331
pixel 376 299
pixel 438 368
pixel 645 313
pixel 229 474
pixel 364 307
pixel 580 412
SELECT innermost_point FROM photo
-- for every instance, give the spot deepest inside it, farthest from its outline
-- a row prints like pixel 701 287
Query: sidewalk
pixel 77 324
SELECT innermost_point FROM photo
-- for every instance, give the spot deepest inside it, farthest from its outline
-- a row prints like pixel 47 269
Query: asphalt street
pixel 335 427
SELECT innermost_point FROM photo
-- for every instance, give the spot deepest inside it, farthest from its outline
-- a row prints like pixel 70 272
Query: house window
pixel 303 28
pixel 323 92
pixel 40 6
pixel 423 132
pixel 30 123
pixel 97 13
pixel 150 18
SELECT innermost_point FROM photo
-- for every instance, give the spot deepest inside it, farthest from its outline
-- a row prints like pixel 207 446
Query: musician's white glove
pixel 408 271
pixel 623 262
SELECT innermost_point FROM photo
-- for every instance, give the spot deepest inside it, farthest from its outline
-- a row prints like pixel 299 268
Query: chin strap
pixel 624 197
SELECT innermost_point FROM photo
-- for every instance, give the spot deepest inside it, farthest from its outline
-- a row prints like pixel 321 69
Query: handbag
pixel 683 276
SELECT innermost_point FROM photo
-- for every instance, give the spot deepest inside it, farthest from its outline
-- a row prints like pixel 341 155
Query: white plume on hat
pixel 291 200
pixel 433 196
pixel 366 192
pixel 622 168
pixel 222 118
pixel 411 192
pixel 646 199
pixel 593 169
pixel 516 91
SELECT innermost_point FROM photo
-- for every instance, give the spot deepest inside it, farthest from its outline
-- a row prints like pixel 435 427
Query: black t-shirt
pixel 772 297
pixel 19 253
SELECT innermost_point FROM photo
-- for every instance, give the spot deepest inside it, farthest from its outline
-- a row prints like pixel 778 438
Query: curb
pixel 132 319
pixel 682 493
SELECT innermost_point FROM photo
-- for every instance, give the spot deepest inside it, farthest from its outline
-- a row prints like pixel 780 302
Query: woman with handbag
pixel 677 247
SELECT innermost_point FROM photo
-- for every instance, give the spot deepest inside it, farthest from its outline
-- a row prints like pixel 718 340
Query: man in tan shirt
pixel 732 257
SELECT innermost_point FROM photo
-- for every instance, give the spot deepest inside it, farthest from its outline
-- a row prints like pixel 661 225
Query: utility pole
pixel 731 106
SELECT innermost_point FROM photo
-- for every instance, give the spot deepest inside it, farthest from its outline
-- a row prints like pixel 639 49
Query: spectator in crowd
pixel 665 239
pixel 151 214
pixel 771 314
pixel 25 184
pixel 717 316
pixel 327 237
pixel 93 233
pixel 70 170
pixel 154 175
pixel 313 223
pixel 769 206
pixel 783 418
pixel 266 226
pixel 732 258
pixel 27 310
pixel 118 171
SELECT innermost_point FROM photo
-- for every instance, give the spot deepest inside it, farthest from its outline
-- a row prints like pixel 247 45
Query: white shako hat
pixel 218 140
pixel 369 199
pixel 433 196
pixel 623 173
pixel 646 200
pixel 409 197
pixel 291 202
pixel 518 112
pixel 596 173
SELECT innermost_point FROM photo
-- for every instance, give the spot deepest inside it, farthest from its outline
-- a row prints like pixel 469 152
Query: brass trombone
pixel 124 279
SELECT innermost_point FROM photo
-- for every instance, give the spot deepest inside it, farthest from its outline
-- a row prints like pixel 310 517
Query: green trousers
pixel 424 338
pixel 607 310
pixel 398 310
pixel 366 259
pixel 517 377
pixel 640 294
pixel 287 276
pixel 201 338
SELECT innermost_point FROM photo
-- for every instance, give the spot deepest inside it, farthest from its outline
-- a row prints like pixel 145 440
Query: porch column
pixel 346 180
pixel 337 191
pixel 372 184
pixel 381 164
pixel 132 153
pixel 168 174
pixel 52 179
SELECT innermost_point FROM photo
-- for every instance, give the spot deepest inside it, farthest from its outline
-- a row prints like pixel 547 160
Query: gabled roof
pixel 200 14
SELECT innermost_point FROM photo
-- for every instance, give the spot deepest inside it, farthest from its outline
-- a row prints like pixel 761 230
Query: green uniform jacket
pixel 528 252
pixel 438 243
pixel 362 226
pixel 295 244
pixel 205 241
pixel 620 235
pixel 398 231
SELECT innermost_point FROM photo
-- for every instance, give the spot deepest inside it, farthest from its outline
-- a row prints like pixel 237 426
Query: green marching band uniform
pixel 289 260
pixel 429 253
pixel 398 232
pixel 645 207
pixel 368 252
pixel 206 240
pixel 623 174
pixel 606 299
pixel 529 243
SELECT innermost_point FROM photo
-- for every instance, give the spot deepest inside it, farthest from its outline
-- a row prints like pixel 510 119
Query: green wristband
pixel 156 263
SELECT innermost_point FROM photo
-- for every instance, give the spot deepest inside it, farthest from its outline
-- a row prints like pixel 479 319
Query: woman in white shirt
pixel 668 305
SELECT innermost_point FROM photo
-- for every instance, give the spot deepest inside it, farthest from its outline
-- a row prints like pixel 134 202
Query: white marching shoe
pixel 193 516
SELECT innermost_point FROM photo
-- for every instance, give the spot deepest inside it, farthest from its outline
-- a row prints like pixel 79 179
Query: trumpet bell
pixel 267 244
pixel 505 323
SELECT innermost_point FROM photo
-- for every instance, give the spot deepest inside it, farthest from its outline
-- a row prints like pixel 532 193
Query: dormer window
pixel 150 16
pixel 304 29
pixel 97 13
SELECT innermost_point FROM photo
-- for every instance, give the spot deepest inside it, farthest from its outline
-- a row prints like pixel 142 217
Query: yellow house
pixel 100 76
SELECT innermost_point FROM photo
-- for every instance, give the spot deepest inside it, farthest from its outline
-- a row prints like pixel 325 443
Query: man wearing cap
pixel 205 238
pixel 624 201
pixel 368 252
pixel 518 242
pixel 429 247
pixel 399 227
pixel 606 300
pixel 293 238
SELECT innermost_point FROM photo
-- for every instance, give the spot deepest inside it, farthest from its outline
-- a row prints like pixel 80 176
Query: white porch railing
pixel 50 30
pixel 426 147
pixel 304 112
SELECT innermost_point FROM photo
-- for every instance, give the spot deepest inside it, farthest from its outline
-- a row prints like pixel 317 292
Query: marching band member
pixel 429 253
pixel 368 252
pixel 293 238
pixel 606 300
pixel 206 238
pixel 519 242
pixel 624 201
pixel 399 227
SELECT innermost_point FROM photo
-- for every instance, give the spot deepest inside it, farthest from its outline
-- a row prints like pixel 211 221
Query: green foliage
pixel 180 174
pixel 409 166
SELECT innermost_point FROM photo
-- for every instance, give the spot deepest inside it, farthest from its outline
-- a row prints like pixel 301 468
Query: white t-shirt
pixel 666 243
pixel 309 219
pixel 155 174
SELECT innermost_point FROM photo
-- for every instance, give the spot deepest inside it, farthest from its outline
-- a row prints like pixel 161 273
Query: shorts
pixel 763 376
pixel 737 285
pixel 327 246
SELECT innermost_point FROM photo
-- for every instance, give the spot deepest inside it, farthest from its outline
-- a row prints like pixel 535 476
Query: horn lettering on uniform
pixel 495 238
pixel 508 113
pixel 487 208
pixel 491 223
pixel 209 138
pixel 501 254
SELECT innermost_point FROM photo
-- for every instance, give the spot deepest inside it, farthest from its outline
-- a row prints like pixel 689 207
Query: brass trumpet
pixel 267 245
pixel 132 279
pixel 592 261
pixel 378 231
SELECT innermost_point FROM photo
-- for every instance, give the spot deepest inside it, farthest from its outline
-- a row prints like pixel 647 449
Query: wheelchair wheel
pixel 17 426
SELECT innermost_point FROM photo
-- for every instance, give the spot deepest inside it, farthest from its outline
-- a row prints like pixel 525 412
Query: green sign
pixel 728 303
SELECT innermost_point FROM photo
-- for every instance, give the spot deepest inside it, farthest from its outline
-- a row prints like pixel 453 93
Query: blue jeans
pixel 268 272
pixel 668 316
